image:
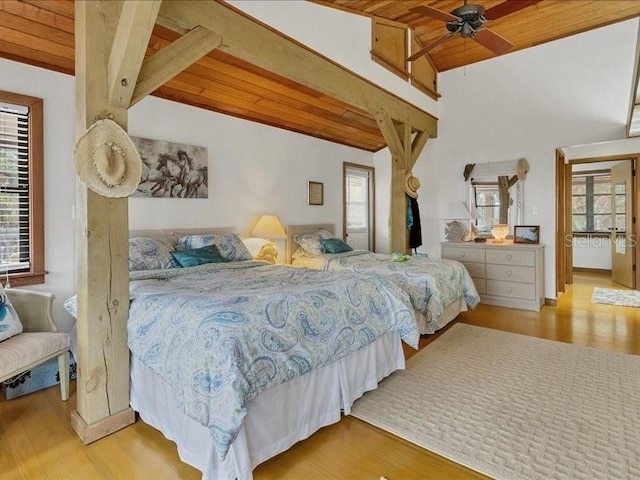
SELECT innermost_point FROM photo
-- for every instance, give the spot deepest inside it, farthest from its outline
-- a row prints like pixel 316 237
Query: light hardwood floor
pixel 36 440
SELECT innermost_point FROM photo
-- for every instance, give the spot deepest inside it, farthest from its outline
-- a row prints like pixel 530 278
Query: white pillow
pixel 10 324
pixel 150 254
pixel 311 241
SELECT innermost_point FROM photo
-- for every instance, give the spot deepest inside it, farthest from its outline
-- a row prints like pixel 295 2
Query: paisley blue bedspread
pixel 432 284
pixel 223 333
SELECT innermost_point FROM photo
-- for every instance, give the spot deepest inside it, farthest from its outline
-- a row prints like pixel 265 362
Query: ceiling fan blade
pixel 507 7
pixel 429 46
pixel 493 41
pixel 434 13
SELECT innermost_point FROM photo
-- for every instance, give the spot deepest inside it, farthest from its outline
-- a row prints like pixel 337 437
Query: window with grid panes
pixel 21 189
pixel 591 202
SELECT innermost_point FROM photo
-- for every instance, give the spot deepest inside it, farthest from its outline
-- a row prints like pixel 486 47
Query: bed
pixel 439 289
pixel 237 361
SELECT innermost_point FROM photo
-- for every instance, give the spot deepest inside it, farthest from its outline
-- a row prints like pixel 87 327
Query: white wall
pixel 527 104
pixel 592 252
pixel 253 169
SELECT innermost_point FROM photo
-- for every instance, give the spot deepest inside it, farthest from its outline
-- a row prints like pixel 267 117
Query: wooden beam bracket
pixel 173 59
pixel 129 46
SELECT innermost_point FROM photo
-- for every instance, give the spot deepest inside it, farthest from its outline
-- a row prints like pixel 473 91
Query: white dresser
pixel 509 275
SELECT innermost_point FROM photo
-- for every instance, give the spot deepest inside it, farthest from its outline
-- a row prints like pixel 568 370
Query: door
pixel 358 189
pixel 622 251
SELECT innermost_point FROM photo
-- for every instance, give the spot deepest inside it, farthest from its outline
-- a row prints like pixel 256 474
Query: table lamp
pixel 269 228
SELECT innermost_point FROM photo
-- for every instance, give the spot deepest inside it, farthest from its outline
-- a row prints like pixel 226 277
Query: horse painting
pixel 172 170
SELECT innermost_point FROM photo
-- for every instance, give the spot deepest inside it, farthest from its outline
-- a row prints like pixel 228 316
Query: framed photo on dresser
pixel 526 234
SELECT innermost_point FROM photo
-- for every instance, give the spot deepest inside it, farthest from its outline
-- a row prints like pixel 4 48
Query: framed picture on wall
pixel 526 234
pixel 315 193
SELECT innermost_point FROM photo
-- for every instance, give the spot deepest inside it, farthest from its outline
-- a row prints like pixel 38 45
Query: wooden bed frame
pixel 292 230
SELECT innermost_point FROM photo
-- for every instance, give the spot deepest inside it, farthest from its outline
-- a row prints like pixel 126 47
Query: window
pixel 591 202
pixel 21 189
pixel 487 204
pixel 357 199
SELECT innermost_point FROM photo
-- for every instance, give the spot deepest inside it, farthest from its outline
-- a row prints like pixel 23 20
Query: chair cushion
pixel 10 324
pixel 27 348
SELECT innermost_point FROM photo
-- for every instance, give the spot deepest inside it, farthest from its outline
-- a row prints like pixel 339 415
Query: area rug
pixel 516 407
pixel 610 296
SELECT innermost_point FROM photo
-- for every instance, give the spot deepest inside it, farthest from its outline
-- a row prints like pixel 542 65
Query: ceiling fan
pixel 468 21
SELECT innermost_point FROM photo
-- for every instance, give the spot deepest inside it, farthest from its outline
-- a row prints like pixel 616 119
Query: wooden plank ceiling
pixel 41 33
pixel 543 22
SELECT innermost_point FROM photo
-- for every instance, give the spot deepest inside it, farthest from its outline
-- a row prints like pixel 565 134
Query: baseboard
pixel 551 302
pixel 591 270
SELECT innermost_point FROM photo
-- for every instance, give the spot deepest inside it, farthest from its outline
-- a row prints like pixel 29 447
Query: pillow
pixel 198 256
pixel 334 245
pixel 311 241
pixel 149 254
pixel 10 324
pixel 229 244
pixel 301 253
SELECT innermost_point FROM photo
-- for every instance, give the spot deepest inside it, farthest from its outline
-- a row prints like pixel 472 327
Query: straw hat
pixel 107 161
pixel 411 185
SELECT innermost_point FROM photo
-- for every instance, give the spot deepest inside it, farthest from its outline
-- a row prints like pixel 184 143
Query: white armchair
pixel 40 340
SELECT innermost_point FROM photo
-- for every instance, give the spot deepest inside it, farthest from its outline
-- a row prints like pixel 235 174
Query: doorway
pixel 358 206
pixel 596 212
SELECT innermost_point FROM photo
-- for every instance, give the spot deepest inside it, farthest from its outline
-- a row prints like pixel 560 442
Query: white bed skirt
pixel 276 419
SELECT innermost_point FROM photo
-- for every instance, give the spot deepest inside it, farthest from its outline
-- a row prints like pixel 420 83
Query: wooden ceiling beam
pixel 253 42
pixel 129 46
pixel 173 59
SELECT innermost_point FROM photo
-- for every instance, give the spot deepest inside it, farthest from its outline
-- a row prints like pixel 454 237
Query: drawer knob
pixel 508 273
pixel 510 290
pixel 509 256
pixel 463 254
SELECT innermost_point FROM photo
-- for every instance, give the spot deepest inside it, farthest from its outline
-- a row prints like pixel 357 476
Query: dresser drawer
pixel 475 269
pixel 502 256
pixel 510 273
pixel 480 284
pixel 511 289
pixel 463 254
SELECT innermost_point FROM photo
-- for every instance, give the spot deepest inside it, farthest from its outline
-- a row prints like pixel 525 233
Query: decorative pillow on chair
pixel 334 245
pixel 198 256
pixel 10 324
pixel 311 241
pixel 149 254
pixel 229 244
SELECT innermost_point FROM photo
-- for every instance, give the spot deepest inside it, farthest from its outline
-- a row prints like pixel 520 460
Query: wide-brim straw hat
pixel 411 185
pixel 107 161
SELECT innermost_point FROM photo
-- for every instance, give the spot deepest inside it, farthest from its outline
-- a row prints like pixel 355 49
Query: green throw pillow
pixel 198 256
pixel 334 245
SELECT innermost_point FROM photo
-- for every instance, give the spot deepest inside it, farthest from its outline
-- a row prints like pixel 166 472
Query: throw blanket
pixel 223 333
pixel 432 284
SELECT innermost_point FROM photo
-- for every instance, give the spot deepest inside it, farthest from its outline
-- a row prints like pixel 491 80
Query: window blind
pixel 14 188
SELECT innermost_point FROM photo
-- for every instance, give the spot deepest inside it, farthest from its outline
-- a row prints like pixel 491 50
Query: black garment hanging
pixel 415 232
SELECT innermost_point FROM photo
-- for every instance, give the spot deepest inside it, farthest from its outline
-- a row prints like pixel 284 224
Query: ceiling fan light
pixel 466 30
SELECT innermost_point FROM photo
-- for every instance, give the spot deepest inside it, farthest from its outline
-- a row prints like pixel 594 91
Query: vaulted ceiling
pixel 542 22
pixel 41 33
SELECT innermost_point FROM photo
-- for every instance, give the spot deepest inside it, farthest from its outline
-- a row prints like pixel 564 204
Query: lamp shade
pixel 269 227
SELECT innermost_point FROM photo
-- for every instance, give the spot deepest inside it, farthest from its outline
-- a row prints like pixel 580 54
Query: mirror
pixel 496 193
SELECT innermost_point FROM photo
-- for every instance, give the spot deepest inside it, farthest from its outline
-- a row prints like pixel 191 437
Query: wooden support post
pixel 404 153
pixel 102 245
